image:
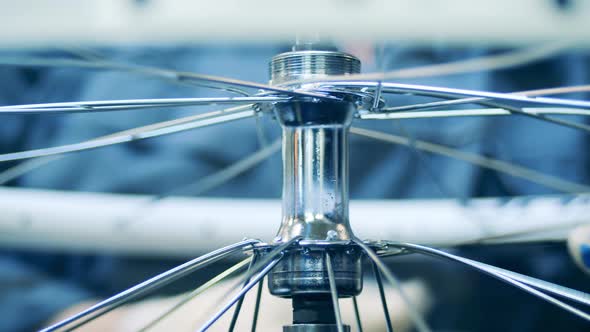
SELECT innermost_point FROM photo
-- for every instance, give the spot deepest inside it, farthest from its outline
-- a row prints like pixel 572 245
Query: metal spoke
pixel 149 285
pixel 426 106
pixel 83 53
pixel 542 117
pixel 415 315
pixel 491 62
pixel 382 296
pixel 220 177
pixel 451 93
pixel 260 134
pixel 135 134
pixel 163 74
pixel 472 112
pixel 562 291
pixel 512 236
pixel 206 183
pixel 201 186
pixel 536 113
pixel 131 104
pixel 234 318
pixel 357 314
pixel 209 81
pixel 377 97
pixel 486 162
pixel 267 258
pixel 24 167
pixel 556 91
pixel 512 278
pixel 242 292
pixel 571 294
pixel 474 100
pixel 257 304
pixel 190 296
pixel 424 162
pixel 334 293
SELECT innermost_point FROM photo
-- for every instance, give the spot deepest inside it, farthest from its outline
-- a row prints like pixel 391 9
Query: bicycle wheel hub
pixel 302 273
pixel 315 193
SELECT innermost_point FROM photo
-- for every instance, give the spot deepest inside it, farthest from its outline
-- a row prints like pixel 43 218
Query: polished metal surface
pixel 314 328
pixel 303 272
pixel 315 195
pixel 315 169
pixel 309 64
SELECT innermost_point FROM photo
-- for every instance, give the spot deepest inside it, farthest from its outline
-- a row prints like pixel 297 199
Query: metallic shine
pixel 315 170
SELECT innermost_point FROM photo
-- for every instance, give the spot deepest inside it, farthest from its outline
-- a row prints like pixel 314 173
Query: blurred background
pixel 35 285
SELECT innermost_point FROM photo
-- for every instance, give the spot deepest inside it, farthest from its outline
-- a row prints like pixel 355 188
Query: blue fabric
pixel 52 282
pixel 585 253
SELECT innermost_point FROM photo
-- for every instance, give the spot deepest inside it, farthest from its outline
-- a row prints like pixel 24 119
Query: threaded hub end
pixel 304 65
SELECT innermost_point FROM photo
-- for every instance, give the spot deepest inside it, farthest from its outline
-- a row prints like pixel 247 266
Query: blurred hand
pixel 578 244
pixel 274 312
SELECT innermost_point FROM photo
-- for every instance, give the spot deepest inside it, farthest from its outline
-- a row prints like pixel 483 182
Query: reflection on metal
pixel 315 170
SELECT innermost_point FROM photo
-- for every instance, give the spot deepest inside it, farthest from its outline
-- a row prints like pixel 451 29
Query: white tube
pixel 128 224
pixel 41 23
